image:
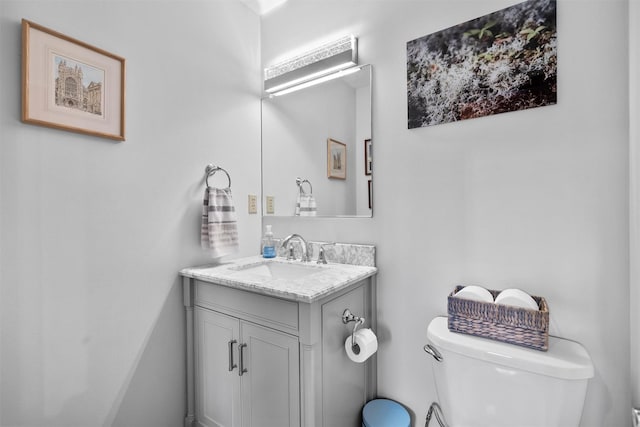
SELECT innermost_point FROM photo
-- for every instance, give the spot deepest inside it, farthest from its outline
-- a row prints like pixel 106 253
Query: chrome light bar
pixel 321 61
pixel 316 81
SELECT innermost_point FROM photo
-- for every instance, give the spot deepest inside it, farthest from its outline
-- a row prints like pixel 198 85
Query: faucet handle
pixel 322 256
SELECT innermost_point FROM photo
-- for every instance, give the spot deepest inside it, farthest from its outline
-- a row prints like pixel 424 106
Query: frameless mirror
pixel 316 149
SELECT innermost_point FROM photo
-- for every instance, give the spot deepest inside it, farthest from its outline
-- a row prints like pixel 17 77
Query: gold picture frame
pixel 70 85
pixel 336 159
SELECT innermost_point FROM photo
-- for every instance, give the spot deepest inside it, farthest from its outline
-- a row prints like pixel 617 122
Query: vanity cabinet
pixel 270 361
pixel 247 374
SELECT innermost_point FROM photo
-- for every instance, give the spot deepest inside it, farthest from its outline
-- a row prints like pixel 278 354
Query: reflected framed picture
pixel 368 164
pixel 336 159
pixel 370 194
pixel 70 85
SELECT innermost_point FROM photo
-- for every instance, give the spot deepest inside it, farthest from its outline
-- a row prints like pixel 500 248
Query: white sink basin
pixel 273 269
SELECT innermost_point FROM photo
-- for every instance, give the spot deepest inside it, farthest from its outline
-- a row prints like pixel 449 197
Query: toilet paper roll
pixel 365 344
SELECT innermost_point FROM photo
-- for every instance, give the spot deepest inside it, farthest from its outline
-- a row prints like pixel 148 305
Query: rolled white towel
pixel 517 298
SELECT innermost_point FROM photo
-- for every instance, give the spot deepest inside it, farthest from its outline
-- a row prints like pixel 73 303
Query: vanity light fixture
pixel 314 82
pixel 322 61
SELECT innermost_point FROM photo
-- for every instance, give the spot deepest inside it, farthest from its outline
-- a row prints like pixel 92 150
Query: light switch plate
pixel 270 205
pixel 253 204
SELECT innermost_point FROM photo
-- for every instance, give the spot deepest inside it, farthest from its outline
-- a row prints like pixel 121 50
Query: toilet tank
pixel 481 382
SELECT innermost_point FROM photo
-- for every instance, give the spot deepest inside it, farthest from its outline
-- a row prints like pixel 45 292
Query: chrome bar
pixel 231 364
pixel 635 412
pixel 241 369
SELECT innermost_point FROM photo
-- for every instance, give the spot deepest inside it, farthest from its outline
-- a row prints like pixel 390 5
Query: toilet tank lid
pixel 565 359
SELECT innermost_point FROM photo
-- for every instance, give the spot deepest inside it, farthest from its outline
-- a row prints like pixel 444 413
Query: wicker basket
pixel 513 325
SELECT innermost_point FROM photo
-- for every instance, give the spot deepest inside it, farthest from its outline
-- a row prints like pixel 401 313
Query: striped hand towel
pixel 306 205
pixel 297 213
pixel 219 231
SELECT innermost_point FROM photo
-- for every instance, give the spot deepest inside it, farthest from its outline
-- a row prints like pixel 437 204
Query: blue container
pixel 385 413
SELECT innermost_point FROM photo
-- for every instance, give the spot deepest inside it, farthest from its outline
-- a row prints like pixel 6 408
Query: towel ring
pixel 211 170
pixel 300 181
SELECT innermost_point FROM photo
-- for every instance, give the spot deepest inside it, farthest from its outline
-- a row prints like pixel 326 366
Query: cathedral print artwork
pixel 78 86
pixel 70 85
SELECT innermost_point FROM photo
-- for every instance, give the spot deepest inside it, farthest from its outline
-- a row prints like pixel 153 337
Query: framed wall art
pixel 70 85
pixel 368 163
pixel 336 159
pixel 501 62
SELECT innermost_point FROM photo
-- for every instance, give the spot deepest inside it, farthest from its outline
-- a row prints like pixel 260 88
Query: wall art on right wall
pixel 503 61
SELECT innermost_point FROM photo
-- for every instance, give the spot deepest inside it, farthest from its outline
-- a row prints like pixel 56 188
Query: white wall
pixel 536 199
pixel 93 232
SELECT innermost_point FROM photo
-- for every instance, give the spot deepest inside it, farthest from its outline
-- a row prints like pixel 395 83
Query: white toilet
pixel 481 382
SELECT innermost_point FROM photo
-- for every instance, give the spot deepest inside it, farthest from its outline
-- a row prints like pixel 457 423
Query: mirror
pixel 321 134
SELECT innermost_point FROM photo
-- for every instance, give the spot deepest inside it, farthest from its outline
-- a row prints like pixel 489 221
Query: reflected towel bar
pixel 300 182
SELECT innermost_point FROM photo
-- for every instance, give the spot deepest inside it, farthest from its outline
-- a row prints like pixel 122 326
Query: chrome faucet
pixel 306 249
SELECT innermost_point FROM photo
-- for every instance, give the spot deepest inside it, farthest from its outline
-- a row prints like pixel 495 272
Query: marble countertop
pixel 319 280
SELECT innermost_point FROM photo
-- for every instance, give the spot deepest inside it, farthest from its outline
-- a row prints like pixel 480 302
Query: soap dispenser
pixel 268 244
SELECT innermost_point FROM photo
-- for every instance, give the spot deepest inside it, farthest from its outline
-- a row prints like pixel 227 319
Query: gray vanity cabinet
pixel 247 374
pixel 297 372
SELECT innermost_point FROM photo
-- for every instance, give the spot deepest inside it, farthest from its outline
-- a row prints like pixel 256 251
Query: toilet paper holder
pixel 347 317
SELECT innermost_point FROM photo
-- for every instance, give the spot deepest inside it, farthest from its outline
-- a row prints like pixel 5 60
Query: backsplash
pixel 341 253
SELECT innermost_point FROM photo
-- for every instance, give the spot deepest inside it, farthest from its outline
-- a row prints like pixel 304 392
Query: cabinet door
pixel 217 388
pixel 271 385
